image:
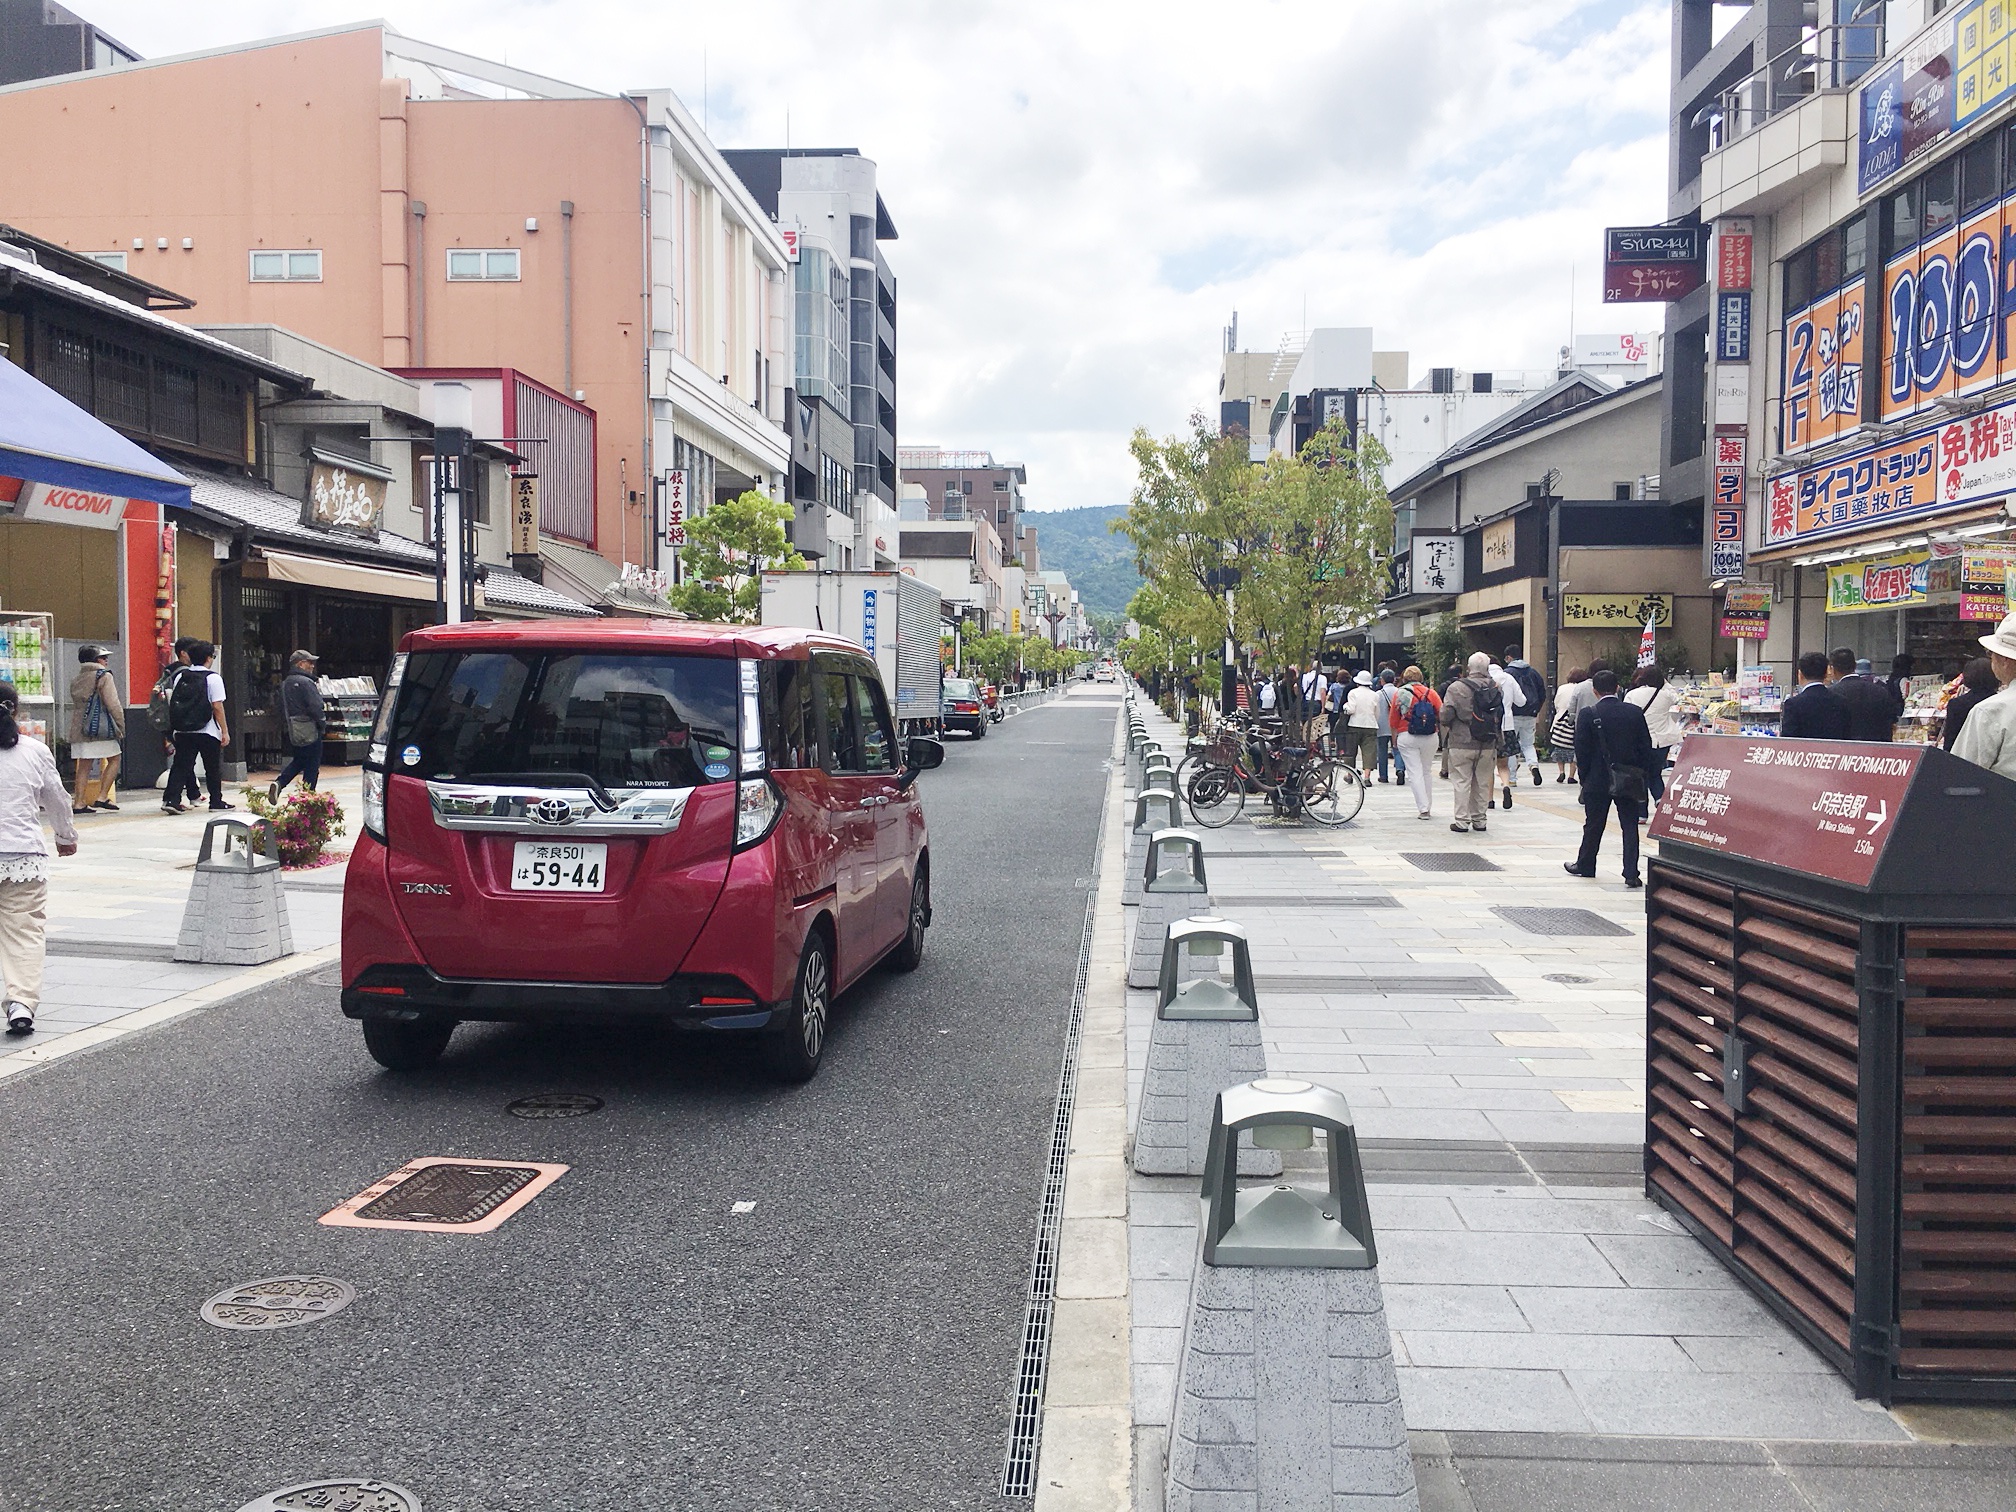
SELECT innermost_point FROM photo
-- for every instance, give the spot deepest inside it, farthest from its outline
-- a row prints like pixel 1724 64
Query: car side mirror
pixel 920 754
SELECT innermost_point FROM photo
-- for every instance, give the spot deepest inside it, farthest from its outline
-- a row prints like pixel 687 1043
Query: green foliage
pixel 727 550
pixel 1438 643
pixel 1621 652
pixel 1080 543
pixel 991 657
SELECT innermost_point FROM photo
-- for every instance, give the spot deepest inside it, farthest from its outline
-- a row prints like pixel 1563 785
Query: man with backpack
pixel 1525 718
pixel 1473 717
pixel 196 720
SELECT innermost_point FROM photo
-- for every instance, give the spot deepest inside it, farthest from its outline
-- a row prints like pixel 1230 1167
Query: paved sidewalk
pixel 115 910
pixel 1496 1075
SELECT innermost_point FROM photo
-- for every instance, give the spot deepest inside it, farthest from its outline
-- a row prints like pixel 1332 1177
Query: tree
pixel 992 655
pixel 727 551
pixel 1438 644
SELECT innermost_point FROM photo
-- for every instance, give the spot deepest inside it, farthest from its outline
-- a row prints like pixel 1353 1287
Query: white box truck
pixel 891 615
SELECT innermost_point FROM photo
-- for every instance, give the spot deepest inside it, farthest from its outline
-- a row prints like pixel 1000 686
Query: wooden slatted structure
pixel 1957 1177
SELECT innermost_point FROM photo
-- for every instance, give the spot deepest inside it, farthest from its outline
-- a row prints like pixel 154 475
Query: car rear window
pixel 632 721
pixel 959 688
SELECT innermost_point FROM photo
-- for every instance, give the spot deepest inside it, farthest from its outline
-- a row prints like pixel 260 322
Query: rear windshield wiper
pixel 599 793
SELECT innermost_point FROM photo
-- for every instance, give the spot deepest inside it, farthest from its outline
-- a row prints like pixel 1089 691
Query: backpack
pixel 157 701
pixel 1423 718
pixel 1487 713
pixel 1532 684
pixel 189 700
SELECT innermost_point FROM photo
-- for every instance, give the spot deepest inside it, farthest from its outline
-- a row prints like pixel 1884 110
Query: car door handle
pixel 868 802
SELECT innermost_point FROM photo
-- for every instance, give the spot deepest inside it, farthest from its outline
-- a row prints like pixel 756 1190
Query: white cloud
pixel 1087 188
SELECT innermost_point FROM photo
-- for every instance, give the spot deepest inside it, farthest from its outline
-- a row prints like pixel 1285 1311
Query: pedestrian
pixel 30 790
pixel 1419 712
pixel 1977 682
pixel 1473 721
pixel 1451 675
pixel 1267 695
pixel 1388 725
pixel 1361 712
pixel 1872 711
pixel 1526 718
pixel 196 715
pixel 1899 680
pixel 1613 748
pixel 1989 736
pixel 301 722
pixel 1561 733
pixel 1814 711
pixel 1315 686
pixel 1651 693
pixel 1511 696
pixel 158 716
pixel 97 726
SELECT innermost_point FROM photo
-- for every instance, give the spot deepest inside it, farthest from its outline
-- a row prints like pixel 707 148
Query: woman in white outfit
pixel 1417 751
pixel 29 790
pixel 1650 692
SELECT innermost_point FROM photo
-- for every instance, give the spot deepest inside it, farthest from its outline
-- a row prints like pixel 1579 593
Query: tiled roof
pixel 505 587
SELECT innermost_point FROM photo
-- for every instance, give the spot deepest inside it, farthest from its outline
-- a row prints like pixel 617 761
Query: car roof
pixel 644 636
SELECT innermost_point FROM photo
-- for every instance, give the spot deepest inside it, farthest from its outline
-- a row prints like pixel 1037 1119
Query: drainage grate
pixel 1449 861
pixel 279 1302
pixel 1025 1431
pixel 554 1105
pixel 1472 985
pixel 1567 978
pixel 446 1195
pixel 337 1496
pixel 1304 900
pixel 1560 921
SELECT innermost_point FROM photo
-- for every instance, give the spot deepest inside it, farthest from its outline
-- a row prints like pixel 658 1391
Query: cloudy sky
pixel 1087 189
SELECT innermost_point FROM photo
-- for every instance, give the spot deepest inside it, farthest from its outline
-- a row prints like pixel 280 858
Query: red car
pixel 703 824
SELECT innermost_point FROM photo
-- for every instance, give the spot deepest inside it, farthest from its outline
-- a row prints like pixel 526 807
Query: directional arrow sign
pixel 1882 813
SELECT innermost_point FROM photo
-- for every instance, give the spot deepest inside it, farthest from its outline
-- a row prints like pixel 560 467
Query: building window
pixel 1620 490
pixel 110 259
pixel 481 265
pixel 286 267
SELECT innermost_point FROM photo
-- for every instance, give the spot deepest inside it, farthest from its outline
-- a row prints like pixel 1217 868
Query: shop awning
pixel 348 577
pixel 44 438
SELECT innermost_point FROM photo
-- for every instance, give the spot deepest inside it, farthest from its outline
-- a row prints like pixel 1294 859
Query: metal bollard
pixel 237 910
pixel 1168 893
pixel 1180 845
pixel 1205 1038
pixel 1287 1396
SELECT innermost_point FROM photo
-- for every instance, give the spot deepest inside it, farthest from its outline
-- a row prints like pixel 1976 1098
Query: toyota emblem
pixel 551 811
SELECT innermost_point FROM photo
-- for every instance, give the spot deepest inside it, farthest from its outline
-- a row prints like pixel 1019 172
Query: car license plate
pixel 555 866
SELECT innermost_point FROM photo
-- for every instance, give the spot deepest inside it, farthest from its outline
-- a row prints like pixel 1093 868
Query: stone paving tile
pixel 1645 1310
pixel 1502 1258
pixel 1503 1401
pixel 1411 1306
pixel 1785 1354
pixel 1516 1351
pixel 1730 1406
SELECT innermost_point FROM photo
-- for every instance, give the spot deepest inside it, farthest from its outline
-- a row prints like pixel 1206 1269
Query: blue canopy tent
pixel 44 438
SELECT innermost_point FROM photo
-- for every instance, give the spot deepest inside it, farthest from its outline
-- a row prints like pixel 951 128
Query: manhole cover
pixel 447 1196
pixel 1566 978
pixel 554 1105
pixel 1560 921
pixel 337 1496
pixel 279 1302
pixel 1449 861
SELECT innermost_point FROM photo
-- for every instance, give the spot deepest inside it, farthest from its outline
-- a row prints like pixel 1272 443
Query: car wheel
pixel 795 1048
pixel 909 955
pixel 407 1044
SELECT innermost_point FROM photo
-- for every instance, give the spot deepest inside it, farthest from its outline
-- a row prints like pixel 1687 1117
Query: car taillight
pixel 374 803
pixel 758 805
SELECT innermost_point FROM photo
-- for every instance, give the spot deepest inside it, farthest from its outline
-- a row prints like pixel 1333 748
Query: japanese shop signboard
pixel 1615 611
pixel 1746 611
pixel 675 507
pixel 1823 369
pixel 1728 533
pixel 1651 263
pixel 1984 585
pixel 1967 461
pixel 1733 244
pixel 1905 109
pixel 1732 327
pixel 1815 806
pixel 1435 564
pixel 1886 582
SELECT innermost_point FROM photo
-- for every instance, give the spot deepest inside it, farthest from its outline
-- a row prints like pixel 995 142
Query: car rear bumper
pixel 711 1003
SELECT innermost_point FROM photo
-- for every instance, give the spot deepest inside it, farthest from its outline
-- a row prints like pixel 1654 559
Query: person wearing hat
pixel 97 726
pixel 299 706
pixel 1989 737
pixel 1361 725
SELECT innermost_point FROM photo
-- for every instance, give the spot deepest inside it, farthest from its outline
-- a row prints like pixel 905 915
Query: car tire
pixel 793 1051
pixel 909 954
pixel 407 1044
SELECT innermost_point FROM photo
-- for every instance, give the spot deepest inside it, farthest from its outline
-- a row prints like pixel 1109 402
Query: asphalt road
pixel 627 1340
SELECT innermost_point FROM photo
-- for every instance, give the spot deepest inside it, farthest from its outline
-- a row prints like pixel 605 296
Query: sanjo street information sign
pixel 1817 806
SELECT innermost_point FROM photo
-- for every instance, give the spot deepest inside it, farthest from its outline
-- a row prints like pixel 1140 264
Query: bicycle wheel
pixel 1215 797
pixel 1332 792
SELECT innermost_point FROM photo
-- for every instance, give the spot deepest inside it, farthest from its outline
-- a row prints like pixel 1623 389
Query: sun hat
pixel 2003 641
pixel 1363 679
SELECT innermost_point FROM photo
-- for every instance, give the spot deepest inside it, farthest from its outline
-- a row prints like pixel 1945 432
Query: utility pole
pixel 1548 481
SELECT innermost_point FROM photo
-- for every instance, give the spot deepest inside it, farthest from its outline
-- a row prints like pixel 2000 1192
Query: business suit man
pixel 1814 711
pixel 1872 707
pixel 1609 728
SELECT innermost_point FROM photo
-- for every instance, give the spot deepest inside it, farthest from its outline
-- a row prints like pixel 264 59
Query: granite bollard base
pixel 235 918
pixel 1287 1399
pixel 1151 928
pixel 1190 1061
pixel 1133 886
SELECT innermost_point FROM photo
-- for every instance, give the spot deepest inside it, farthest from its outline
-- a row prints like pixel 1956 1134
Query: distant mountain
pixel 1078 543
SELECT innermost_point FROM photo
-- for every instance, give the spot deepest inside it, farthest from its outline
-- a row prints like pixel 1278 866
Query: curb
pixel 1086 1457
pixel 160 1013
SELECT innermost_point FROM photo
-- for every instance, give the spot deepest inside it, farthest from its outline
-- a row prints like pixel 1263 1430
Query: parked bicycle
pixel 1253 757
